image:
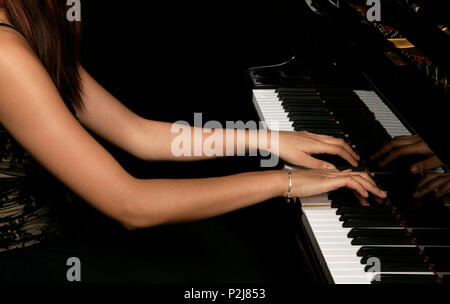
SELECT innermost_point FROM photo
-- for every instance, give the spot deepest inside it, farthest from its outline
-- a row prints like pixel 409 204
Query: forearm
pixel 157 202
pixel 174 142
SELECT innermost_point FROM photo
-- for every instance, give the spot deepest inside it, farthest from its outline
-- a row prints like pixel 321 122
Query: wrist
pixel 283 183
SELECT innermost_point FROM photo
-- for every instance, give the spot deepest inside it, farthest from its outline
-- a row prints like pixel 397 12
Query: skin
pixel 410 145
pixel 32 110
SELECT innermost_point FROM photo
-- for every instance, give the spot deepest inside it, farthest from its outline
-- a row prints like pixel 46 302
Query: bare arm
pixel 152 140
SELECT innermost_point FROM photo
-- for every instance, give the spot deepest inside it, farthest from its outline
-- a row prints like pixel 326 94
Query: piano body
pixel 371 82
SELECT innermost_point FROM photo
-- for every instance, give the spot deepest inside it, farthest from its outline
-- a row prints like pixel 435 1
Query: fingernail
pixel 383 193
pixel 330 167
pixel 414 169
pixel 366 194
pixel 416 194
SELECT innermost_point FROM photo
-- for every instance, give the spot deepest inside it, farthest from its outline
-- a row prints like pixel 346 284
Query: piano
pixel 368 82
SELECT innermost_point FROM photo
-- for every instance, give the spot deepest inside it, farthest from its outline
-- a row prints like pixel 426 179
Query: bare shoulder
pixel 14 49
pixel 21 71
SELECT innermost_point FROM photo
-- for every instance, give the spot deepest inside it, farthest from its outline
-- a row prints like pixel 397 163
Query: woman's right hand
pixel 307 183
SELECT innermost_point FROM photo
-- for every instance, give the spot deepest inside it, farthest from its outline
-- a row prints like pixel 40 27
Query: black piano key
pixel 302 102
pixel 401 267
pixel 304 117
pixel 387 251
pixel 329 132
pixel 342 193
pixel 415 258
pixel 405 279
pixel 300 99
pixel 334 135
pixel 317 124
pixel 365 232
pixel 338 203
pixel 384 240
pixel 363 209
pixel 304 88
pixel 368 216
pixel 352 223
pixel 306 111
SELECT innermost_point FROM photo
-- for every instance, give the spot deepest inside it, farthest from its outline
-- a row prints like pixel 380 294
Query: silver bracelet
pixel 290 183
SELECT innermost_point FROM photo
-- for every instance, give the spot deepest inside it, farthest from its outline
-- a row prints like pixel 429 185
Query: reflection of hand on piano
pixel 297 147
pixel 433 181
pixel 408 145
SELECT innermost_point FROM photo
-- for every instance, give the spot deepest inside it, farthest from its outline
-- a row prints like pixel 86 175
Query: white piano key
pixel 349 272
pixel 342 258
pixel 352 280
pixel 345 266
pixel 348 251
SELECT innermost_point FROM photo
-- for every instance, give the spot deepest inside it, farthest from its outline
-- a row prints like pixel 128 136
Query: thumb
pixel 315 163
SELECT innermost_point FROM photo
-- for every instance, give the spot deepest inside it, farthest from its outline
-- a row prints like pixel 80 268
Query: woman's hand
pixel 312 182
pixel 408 145
pixel 432 181
pixel 297 148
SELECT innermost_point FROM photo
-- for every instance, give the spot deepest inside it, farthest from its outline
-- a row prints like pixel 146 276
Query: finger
pixel 361 199
pixel 340 142
pixel 429 163
pixel 335 141
pixel 369 186
pixel 397 152
pixel 366 176
pixel 436 183
pixel 378 199
pixel 444 189
pixel 337 150
pixel 351 183
pixel 315 163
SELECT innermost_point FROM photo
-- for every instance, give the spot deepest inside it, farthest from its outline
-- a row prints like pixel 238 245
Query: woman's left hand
pixel 297 148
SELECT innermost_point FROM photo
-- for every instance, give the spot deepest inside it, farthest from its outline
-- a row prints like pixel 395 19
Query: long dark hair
pixel 55 40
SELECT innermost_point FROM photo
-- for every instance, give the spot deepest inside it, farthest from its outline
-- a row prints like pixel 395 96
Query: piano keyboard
pixel 275 117
pixel 345 235
pixel 344 257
